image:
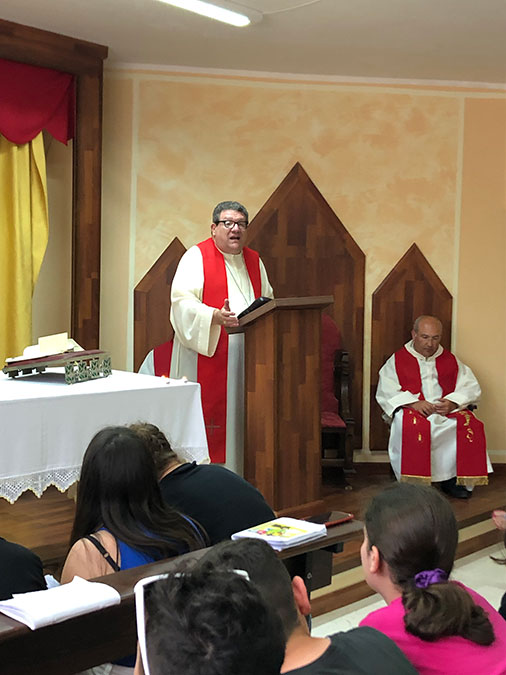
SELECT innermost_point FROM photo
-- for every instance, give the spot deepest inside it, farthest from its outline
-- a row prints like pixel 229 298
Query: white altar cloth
pixel 46 425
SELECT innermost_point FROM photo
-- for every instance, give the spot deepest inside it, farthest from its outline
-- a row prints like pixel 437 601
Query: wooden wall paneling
pixel 86 210
pixel 152 303
pixel 85 61
pixel 308 251
pixel 412 288
pixel 50 50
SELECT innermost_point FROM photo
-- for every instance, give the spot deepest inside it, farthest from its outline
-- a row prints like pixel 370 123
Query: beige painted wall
pixel 481 307
pixel 392 162
pixel 118 209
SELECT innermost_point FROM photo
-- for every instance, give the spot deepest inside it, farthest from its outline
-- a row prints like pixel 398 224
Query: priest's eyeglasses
pixel 229 224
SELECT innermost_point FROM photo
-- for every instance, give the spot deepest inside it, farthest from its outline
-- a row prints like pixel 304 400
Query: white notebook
pixel 42 608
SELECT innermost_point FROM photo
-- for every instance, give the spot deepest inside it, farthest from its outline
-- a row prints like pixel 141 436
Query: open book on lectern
pixel 258 302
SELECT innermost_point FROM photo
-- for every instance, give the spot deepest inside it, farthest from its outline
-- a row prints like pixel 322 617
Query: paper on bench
pixel 42 608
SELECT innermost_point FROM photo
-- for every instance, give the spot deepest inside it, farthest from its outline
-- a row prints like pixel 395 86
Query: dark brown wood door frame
pixel 85 61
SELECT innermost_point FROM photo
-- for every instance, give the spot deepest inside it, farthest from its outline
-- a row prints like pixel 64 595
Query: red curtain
pixel 34 98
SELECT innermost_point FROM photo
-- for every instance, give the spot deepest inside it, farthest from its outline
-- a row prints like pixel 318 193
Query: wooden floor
pixel 371 479
pixel 44 524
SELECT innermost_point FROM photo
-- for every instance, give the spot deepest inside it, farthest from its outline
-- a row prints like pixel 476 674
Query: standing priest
pixel 425 390
pixel 216 280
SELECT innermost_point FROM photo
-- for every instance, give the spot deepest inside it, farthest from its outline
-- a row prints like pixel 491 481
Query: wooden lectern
pixel 282 400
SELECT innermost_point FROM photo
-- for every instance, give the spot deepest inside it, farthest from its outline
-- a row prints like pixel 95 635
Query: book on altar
pixel 43 608
pixel 284 532
pixel 48 345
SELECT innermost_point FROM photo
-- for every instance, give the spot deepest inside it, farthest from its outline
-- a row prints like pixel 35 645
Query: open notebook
pixel 42 608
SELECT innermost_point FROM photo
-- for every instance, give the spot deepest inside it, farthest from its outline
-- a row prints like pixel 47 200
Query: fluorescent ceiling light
pixel 233 17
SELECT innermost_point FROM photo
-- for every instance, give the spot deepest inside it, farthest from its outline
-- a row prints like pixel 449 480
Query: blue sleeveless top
pixel 130 557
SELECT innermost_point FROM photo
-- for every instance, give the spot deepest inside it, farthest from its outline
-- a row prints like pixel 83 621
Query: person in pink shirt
pixel 443 627
pixel 499 518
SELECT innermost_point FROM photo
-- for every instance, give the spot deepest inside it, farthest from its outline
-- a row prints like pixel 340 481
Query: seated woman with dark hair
pixel 121 520
pixel 410 540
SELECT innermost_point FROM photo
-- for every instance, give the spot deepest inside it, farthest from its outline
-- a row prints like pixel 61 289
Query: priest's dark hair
pixel 118 490
pixel 415 530
pixel 229 206
pixel 158 444
pixel 211 622
pixel 265 570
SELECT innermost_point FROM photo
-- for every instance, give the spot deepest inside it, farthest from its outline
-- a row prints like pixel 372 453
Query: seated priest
pixel 218 499
pixel 215 281
pixel 424 391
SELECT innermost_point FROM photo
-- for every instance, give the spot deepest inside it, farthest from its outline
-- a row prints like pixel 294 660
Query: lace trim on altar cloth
pixel 62 479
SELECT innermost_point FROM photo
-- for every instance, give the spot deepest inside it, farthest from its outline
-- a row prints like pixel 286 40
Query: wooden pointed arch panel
pixel 412 288
pixel 152 303
pixel 308 251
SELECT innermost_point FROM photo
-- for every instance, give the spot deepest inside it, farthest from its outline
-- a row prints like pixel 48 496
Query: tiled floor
pixel 477 571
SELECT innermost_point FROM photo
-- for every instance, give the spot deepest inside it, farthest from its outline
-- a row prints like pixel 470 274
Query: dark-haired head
pixel 118 490
pixel 265 570
pixel 414 529
pixel 158 444
pixel 229 206
pixel 211 622
pixel 410 529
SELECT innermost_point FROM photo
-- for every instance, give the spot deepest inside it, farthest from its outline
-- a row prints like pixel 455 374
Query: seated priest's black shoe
pixel 450 488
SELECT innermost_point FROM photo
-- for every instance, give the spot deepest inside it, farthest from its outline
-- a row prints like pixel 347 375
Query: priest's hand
pixel 224 317
pixel 444 406
pixel 423 407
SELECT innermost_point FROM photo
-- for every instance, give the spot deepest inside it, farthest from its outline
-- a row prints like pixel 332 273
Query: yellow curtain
pixel 23 239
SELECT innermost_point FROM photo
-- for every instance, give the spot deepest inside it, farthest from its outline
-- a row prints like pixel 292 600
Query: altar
pixel 46 425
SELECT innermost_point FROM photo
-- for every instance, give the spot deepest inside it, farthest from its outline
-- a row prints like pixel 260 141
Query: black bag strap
pixel 103 551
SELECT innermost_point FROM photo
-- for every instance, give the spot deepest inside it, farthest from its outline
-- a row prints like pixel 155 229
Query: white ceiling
pixel 451 40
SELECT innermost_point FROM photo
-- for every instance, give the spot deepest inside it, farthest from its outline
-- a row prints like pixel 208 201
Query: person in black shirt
pixel 220 500
pixel 210 622
pixel 360 651
pixel 20 570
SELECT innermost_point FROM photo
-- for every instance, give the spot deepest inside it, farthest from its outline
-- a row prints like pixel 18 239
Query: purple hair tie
pixel 428 577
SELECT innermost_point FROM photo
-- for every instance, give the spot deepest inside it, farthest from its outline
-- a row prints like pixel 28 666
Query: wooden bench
pixel 108 634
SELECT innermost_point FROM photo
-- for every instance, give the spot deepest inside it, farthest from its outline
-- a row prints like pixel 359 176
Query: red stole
pixel 162 356
pixel 416 440
pixel 212 371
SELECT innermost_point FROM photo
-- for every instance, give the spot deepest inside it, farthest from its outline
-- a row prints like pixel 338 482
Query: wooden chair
pixel 337 424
